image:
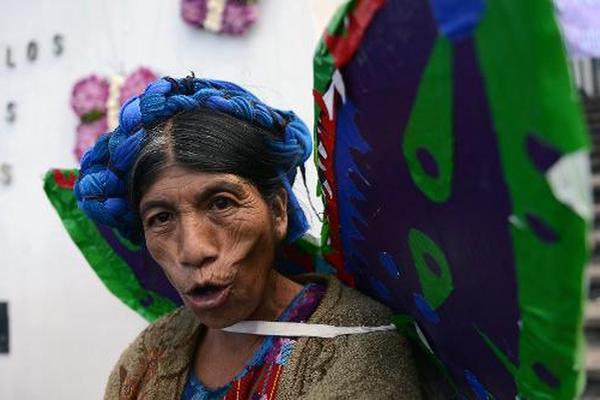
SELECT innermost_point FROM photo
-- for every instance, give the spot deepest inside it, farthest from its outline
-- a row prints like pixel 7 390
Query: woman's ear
pixel 280 216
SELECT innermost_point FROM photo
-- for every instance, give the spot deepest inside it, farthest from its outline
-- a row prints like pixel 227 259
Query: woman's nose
pixel 197 242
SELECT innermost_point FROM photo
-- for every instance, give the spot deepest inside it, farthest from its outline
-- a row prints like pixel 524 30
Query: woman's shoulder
pixel 164 348
pixel 171 329
pixel 376 365
pixel 174 332
pixel 345 306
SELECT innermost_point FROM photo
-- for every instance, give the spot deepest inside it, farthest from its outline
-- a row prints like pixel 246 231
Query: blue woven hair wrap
pixel 101 190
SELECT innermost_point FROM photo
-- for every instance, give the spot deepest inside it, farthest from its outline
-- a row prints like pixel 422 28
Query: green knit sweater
pixel 365 366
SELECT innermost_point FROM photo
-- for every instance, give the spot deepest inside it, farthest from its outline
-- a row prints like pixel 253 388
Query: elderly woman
pixel 201 172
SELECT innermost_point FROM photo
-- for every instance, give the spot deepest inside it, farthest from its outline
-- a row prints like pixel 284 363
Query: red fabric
pixel 343 47
pixel 64 181
pixel 326 131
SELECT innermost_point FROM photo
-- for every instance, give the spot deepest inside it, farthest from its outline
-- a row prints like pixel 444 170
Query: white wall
pixel 66 329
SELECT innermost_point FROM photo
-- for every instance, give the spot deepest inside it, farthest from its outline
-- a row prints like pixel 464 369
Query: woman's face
pixel 214 236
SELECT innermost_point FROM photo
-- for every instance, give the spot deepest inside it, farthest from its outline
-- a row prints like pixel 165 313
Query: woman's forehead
pixel 177 181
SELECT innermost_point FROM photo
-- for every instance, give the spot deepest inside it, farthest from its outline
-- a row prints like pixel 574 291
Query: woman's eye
pixel 222 203
pixel 159 219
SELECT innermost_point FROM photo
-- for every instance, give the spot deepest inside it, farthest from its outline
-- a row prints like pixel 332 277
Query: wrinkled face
pixel 214 236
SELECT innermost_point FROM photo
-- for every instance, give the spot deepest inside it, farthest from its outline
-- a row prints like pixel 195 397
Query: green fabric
pixel 524 65
pixel 436 287
pixel 433 133
pixel 112 270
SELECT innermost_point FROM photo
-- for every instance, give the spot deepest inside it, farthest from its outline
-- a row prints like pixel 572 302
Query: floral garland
pixel 233 17
pixel 96 101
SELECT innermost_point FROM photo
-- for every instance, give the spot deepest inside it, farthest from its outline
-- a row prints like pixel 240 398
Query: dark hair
pixel 208 141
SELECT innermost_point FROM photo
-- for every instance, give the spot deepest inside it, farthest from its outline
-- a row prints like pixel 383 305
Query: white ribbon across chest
pixel 298 329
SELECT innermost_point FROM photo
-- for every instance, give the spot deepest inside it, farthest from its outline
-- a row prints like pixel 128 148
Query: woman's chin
pixel 216 318
pixel 218 310
pixel 216 321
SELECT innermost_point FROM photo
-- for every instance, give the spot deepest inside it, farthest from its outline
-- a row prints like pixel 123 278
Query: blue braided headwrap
pixel 101 190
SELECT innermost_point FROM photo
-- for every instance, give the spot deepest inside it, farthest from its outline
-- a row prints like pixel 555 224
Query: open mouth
pixel 206 290
pixel 208 295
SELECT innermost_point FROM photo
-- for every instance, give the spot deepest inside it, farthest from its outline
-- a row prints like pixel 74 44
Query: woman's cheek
pixel 160 252
pixel 155 248
pixel 251 251
pixel 248 295
pixel 239 241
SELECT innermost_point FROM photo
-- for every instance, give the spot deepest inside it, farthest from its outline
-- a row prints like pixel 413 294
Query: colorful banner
pixel 451 149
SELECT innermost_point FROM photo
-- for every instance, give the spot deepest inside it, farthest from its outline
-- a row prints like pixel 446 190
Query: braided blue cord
pixel 100 189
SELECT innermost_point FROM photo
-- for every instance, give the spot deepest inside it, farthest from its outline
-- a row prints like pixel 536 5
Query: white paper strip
pixel 327 188
pixel 337 84
pixel 322 151
pixel 570 181
pixel 297 329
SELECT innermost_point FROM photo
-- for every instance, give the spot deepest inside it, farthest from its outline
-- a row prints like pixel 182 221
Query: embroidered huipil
pixel 258 380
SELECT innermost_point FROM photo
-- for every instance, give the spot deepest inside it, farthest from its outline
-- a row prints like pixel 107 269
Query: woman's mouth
pixel 208 296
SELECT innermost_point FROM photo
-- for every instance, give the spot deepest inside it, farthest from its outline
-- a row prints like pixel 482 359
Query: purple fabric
pixel 474 217
pixel 580 22
pixel 147 272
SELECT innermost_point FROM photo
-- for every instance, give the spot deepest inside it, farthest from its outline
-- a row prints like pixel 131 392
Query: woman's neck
pixel 279 293
pixel 235 349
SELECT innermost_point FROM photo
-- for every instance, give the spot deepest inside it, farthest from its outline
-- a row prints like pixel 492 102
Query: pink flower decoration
pixel 193 11
pixel 136 83
pixel 87 133
pixel 238 17
pixel 90 95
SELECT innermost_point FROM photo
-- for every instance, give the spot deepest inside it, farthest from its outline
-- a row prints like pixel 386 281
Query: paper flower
pixel 233 17
pixel 97 103
pixel 238 17
pixel 136 83
pixel 89 96
pixel 193 11
pixel 87 133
